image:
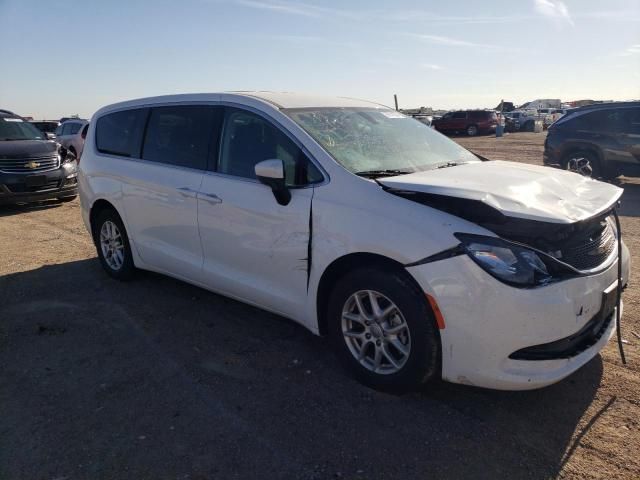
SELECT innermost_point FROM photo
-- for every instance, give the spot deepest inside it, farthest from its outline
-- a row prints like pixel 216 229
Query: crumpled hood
pixel 516 189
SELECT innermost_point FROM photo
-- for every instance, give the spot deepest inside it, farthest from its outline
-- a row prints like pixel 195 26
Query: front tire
pixel 583 162
pixel 472 130
pixel 383 330
pixel 112 244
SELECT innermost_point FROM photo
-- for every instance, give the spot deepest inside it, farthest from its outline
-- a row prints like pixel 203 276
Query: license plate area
pixel 35 180
pixel 609 302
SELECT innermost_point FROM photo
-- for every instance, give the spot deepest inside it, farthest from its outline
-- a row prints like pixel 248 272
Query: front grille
pixel 22 188
pixel 592 250
pixel 29 165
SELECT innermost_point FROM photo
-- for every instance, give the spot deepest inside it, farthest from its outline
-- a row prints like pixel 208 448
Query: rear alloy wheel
pixel 472 130
pixel 383 330
pixel 113 246
pixel 583 163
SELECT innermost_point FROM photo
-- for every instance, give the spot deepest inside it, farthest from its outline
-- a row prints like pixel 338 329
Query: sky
pixel 64 57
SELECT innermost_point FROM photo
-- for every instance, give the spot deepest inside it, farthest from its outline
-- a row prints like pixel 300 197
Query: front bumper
pixel 59 183
pixel 487 321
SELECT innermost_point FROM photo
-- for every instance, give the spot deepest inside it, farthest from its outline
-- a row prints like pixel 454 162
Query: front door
pixel 255 249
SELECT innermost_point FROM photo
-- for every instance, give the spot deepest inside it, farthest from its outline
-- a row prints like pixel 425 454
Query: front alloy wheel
pixel 383 330
pixel 376 332
pixel 582 164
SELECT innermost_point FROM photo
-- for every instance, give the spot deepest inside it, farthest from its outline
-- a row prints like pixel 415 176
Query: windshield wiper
pixel 448 164
pixel 382 173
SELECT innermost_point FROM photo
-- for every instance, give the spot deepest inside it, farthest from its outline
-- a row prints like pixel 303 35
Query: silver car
pixel 71 135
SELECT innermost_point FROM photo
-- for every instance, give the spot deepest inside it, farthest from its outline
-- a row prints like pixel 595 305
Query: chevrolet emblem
pixel 32 165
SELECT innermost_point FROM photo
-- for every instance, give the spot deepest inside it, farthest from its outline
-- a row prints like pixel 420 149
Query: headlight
pixel 511 263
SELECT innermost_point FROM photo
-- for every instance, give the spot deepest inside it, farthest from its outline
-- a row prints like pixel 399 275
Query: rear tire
pixel 399 351
pixel 112 244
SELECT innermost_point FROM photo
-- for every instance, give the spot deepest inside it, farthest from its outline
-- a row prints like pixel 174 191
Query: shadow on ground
pixel 158 379
pixel 10 210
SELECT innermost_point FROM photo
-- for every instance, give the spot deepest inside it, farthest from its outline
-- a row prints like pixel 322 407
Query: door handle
pixel 210 197
pixel 187 192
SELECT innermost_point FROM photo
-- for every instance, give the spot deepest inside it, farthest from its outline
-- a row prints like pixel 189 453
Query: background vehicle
pixel 48 127
pixel 601 140
pixel 271 198
pixel 471 122
pixel 521 120
pixel 31 167
pixel 71 135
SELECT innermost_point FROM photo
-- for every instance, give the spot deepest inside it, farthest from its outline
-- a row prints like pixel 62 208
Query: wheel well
pixel 97 208
pixel 339 268
pixel 581 148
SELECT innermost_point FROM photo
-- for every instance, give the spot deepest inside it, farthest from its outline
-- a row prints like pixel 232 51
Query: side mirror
pixel 271 173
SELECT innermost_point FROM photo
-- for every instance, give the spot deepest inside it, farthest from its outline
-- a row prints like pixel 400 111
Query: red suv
pixel 471 122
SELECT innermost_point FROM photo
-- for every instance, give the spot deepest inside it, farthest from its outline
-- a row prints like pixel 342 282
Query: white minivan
pixel 414 256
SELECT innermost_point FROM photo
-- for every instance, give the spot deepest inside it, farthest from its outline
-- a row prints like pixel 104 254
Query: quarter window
pixel 120 133
pixel 179 136
pixel 249 139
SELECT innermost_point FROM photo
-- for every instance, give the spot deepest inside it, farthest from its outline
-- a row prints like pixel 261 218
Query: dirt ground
pixel 159 379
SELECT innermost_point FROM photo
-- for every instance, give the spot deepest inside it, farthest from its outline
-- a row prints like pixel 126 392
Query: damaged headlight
pixel 510 263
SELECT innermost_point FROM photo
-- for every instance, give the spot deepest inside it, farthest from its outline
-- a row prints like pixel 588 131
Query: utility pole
pixel 395 100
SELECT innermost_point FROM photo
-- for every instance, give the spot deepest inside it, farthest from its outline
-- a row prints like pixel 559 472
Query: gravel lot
pixel 159 379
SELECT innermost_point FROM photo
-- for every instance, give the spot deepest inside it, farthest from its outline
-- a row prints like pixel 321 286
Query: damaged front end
pixel 581 247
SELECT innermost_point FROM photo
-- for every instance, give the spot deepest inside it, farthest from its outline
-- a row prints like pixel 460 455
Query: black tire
pixel 472 130
pixel 68 199
pixel 127 269
pixel 574 159
pixel 423 361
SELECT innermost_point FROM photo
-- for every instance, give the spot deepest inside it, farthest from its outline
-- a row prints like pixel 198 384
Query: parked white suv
pixel 416 258
pixel 71 134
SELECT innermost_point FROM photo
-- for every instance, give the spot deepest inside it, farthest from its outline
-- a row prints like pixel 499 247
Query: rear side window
pixel 599 121
pixel 482 115
pixel 460 115
pixel 120 133
pixel 631 120
pixel 179 136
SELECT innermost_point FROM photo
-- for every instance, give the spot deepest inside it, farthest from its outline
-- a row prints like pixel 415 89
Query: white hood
pixel 516 189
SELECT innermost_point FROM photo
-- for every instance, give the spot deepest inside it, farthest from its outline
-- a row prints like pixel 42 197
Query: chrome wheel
pixel 580 164
pixel 376 332
pixel 112 245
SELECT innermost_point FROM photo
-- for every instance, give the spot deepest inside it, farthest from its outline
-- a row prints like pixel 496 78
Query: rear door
pixel 459 121
pixel 160 189
pixel 630 133
pixel 254 248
